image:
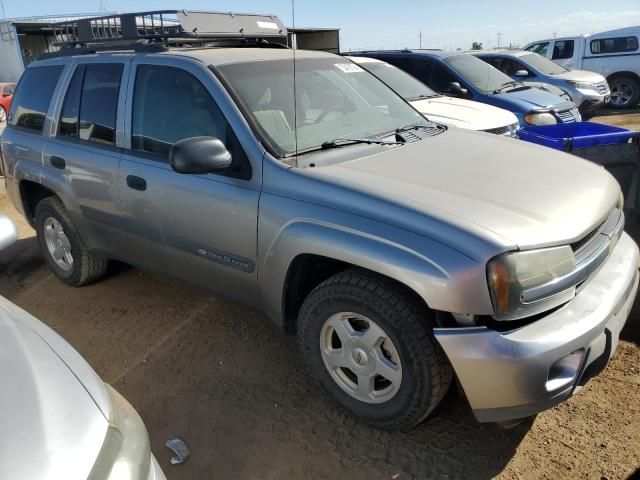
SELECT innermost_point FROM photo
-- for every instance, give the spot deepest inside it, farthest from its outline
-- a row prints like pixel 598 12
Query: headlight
pixel 522 283
pixel 581 85
pixel 540 119
pixel 125 453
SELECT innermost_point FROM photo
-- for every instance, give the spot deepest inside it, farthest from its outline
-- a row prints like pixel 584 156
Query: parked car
pixel 398 251
pixel 463 75
pixel 61 420
pixel 613 54
pixel 588 90
pixel 6 94
pixel 439 108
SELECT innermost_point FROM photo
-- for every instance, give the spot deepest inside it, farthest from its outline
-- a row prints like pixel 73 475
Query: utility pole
pixel 499 38
pixel 420 36
pixel 554 34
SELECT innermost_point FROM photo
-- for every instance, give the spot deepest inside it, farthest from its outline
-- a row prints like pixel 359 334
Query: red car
pixel 6 95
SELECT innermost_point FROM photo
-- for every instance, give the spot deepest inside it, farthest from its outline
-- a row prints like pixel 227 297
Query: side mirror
pixel 522 73
pixel 456 89
pixel 199 155
pixel 8 232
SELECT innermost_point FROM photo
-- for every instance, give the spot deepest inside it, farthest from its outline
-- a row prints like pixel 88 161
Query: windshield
pixel 542 64
pixel 477 72
pixel 404 84
pixel 335 98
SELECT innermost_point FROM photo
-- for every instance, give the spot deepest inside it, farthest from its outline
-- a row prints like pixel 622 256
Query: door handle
pixel 58 162
pixel 136 183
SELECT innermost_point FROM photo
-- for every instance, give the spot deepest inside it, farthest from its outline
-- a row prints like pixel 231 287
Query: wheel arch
pixel 624 73
pixel 306 253
pixel 31 193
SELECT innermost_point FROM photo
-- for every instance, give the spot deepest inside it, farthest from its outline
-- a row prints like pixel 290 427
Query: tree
pixel 476 46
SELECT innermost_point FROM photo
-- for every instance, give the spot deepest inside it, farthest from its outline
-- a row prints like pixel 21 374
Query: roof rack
pixel 168 27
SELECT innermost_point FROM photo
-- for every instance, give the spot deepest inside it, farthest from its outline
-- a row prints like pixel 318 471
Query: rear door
pixel 201 228
pixel 82 155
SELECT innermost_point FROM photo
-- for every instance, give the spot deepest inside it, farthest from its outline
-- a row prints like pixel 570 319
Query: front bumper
pixel 506 375
pixel 588 100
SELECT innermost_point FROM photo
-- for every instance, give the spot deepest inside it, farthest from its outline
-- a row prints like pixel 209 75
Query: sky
pixel 390 24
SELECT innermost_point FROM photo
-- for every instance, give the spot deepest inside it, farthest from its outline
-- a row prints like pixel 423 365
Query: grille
pixel 583 241
pixel 507 130
pixel 602 87
pixel 569 116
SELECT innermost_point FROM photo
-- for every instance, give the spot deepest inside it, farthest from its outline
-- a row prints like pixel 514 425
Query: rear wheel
pixel 625 92
pixel 371 346
pixel 62 246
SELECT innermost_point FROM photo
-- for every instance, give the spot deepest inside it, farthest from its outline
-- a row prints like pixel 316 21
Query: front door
pixel 202 228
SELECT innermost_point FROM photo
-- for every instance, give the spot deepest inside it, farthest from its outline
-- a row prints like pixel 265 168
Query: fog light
pixel 564 371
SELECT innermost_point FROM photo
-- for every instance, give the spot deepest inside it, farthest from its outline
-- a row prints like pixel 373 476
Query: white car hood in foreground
pixel 52 424
pixel 507 191
pixel 464 113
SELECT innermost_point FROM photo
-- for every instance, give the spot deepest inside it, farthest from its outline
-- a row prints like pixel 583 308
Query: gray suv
pixel 399 251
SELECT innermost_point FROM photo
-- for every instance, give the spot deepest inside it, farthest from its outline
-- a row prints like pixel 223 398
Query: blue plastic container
pixel 570 136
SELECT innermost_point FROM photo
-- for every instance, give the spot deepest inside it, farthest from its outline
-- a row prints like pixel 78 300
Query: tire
pixel 85 266
pixel 625 92
pixel 424 369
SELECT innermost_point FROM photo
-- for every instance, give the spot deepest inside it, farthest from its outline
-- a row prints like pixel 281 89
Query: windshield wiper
pixel 423 96
pixel 506 85
pixel 339 142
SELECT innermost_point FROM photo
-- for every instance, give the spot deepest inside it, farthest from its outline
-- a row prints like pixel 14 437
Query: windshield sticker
pixel 269 25
pixel 349 67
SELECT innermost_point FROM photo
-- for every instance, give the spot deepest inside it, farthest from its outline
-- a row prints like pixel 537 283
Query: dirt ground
pixel 223 378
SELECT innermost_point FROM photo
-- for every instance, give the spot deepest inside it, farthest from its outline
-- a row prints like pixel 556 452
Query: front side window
pixel 478 73
pixel 169 105
pixel 441 79
pixel 614 45
pixel 33 95
pixel 69 117
pixel 562 49
pixel 539 48
pixel 329 104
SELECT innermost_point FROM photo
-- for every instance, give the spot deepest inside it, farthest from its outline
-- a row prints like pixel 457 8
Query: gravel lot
pixel 223 378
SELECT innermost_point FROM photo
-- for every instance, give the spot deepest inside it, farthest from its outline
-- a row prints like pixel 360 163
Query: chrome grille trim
pixel 602 87
pixel 569 116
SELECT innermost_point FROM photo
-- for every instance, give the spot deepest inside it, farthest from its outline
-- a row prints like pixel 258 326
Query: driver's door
pixel 201 228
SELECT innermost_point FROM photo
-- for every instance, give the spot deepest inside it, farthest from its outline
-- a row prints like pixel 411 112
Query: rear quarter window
pixel 614 45
pixel 33 96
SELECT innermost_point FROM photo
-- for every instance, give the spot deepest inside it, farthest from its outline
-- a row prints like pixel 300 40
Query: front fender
pixel 444 278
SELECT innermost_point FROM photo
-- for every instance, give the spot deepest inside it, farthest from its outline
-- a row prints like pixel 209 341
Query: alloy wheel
pixel 58 244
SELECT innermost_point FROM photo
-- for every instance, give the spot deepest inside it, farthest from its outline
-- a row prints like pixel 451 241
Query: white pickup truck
pixel 614 54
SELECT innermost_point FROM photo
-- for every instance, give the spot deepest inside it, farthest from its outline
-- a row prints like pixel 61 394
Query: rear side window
pixel 562 49
pixel 539 48
pixel 91 103
pixel 614 45
pixel 170 104
pixel 33 95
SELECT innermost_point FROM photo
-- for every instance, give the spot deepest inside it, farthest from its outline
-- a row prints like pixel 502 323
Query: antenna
pixel 4 15
pixel 294 46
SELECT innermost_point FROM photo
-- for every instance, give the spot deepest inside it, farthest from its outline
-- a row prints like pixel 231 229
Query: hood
pixel 53 426
pixel 464 113
pixel 581 76
pixel 504 190
pixel 535 98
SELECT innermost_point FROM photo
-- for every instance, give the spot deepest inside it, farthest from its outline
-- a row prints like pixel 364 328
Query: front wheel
pixel 371 346
pixel 625 92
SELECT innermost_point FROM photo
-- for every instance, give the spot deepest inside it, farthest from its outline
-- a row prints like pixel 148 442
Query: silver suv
pixel 399 251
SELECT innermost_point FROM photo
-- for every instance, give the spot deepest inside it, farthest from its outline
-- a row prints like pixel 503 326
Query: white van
pixel 614 54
